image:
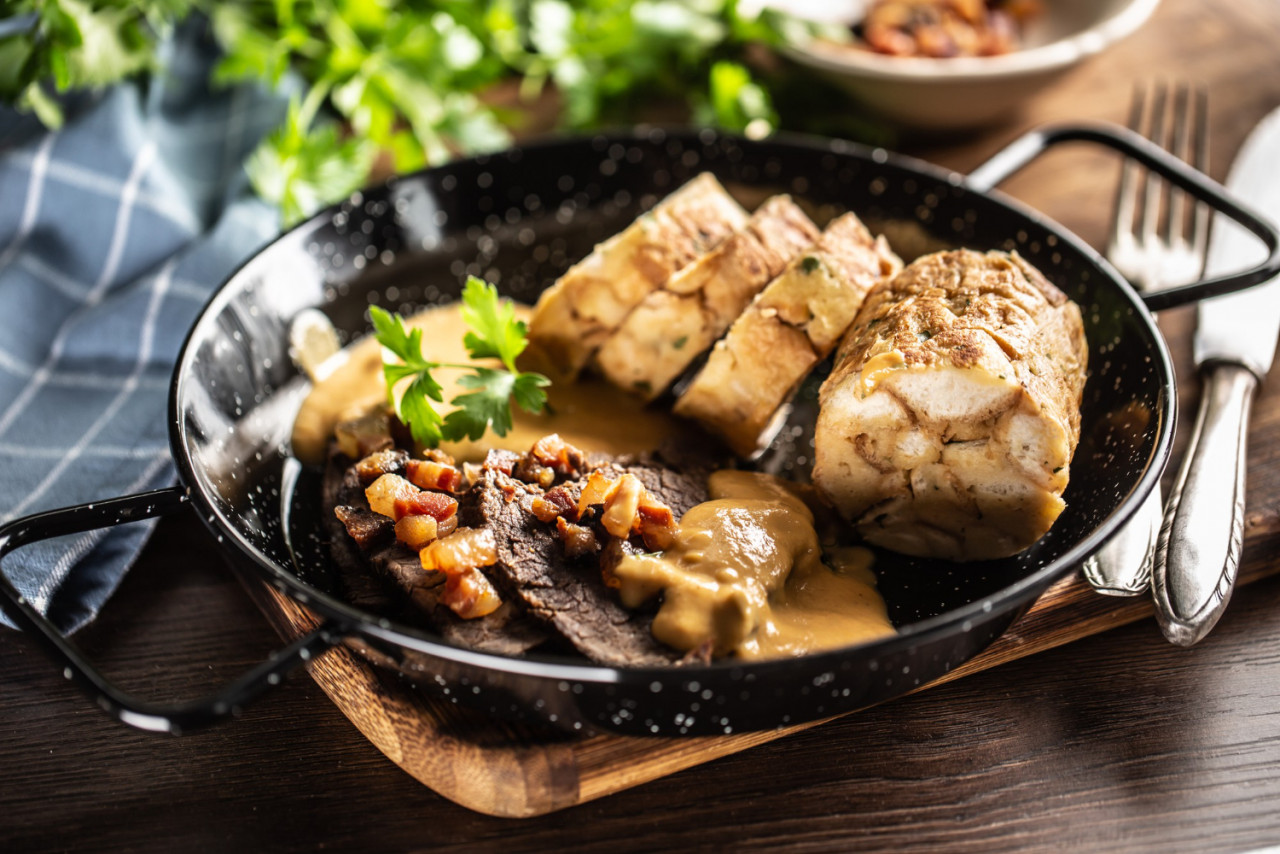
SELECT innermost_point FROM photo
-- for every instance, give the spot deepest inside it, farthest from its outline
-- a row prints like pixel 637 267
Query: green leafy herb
pixel 495 333
pixel 392 87
pixel 76 44
pixel 301 170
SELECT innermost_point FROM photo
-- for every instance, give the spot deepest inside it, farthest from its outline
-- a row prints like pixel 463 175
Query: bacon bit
pixel 436 455
pixel 362 436
pixel 656 523
pixel 629 509
pixel 374 466
pixel 621 506
pixel 610 557
pixel 558 455
pixel 470 595
pixel 500 460
pixel 382 494
pixel 394 497
pixel 597 491
pixel 578 540
pixel 430 474
pixel 417 532
pixel 435 504
pixel 366 528
pixel 463 550
pixel 555 504
pixel 549 459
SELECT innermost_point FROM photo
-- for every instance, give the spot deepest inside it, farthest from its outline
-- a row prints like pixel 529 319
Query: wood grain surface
pixel 1116 742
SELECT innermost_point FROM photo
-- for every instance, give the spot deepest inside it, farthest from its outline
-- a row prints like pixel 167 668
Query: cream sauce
pixel 590 414
pixel 746 573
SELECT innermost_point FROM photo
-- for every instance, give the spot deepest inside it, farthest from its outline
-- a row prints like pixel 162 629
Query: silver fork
pixel 1156 242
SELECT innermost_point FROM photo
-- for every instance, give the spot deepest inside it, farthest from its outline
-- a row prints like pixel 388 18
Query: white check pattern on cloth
pixel 113 233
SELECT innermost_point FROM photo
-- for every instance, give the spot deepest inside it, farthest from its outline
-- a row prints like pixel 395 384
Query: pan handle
pixel 1031 145
pixel 227 700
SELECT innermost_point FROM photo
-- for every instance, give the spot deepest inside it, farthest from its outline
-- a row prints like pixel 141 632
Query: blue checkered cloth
pixel 113 233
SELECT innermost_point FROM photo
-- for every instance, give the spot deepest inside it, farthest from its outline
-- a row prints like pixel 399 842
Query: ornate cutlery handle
pixel 1199 547
pixel 1123 566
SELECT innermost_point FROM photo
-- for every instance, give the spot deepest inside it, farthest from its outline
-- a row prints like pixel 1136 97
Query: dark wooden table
pixel 1116 742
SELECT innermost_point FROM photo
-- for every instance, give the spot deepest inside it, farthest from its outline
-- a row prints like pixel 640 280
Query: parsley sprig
pixel 494 333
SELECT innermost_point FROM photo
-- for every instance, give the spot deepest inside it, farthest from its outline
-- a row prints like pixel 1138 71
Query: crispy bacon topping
pixel 500 460
pixel 394 497
pixel 578 540
pixel 556 503
pixel 656 523
pixel 628 509
pixel 621 506
pixel 378 463
pixel 429 474
pixel 417 531
pixel 464 549
pixel 470 594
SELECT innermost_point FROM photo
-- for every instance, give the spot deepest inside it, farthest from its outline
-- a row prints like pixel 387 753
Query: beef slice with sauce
pixel 571 595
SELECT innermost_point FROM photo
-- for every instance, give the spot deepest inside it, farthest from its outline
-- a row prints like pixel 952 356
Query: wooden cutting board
pixel 506 770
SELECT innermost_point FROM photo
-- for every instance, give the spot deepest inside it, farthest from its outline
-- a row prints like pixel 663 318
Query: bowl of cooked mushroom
pixel 957 64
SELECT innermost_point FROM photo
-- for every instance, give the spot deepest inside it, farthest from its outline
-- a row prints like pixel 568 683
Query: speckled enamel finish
pixel 519 219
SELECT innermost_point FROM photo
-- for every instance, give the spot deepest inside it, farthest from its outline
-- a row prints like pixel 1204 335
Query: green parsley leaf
pixel 527 391
pixel 413 407
pixel 487 402
pixel 494 333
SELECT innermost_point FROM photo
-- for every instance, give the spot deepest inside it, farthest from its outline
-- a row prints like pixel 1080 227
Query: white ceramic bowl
pixel 967 92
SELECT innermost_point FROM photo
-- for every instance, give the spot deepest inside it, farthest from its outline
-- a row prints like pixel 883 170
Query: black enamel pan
pixel 519 218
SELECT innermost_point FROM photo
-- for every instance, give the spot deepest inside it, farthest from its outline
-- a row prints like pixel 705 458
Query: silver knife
pixel 1198 550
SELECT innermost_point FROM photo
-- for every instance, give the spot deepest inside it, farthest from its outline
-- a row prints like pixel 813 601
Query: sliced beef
pixel 398 580
pixel 548 591
pixel 572 597
pixel 507 631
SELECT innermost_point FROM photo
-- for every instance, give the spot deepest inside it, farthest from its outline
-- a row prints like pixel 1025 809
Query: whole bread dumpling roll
pixel 947 426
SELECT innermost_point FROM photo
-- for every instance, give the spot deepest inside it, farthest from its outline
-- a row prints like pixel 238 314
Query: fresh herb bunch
pixel 408 81
pixel 58 46
pixel 495 333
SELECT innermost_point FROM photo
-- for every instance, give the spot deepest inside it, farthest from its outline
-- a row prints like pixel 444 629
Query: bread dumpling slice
pixel 587 304
pixel 675 324
pixel 947 426
pixel 791 325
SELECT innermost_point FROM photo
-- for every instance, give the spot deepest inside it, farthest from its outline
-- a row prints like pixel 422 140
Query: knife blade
pixel 1198 551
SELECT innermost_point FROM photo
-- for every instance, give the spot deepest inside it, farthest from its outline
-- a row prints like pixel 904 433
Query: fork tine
pixel 1127 192
pixel 1201 213
pixel 1154 184
pixel 1182 129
